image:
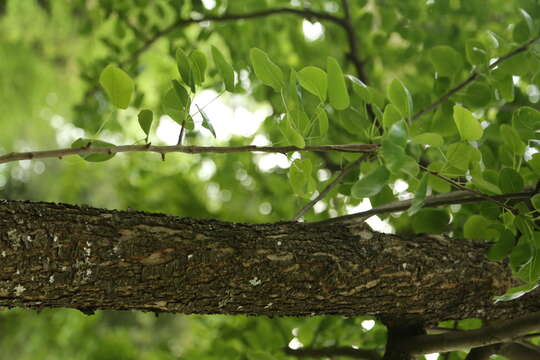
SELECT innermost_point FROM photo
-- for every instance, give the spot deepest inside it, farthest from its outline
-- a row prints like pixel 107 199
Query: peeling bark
pixel 55 255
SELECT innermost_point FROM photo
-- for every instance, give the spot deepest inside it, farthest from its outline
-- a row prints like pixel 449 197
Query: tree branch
pixel 464 188
pixel 472 78
pixel 330 186
pixel 455 197
pixel 353 54
pixel 305 13
pixel 333 351
pixel 87 150
pixel 502 332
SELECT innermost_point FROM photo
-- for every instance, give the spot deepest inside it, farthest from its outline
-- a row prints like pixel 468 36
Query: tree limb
pixel 332 351
pixel 353 54
pixel 502 332
pixel 87 150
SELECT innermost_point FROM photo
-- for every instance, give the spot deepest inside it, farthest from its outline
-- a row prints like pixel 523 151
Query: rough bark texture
pixel 54 255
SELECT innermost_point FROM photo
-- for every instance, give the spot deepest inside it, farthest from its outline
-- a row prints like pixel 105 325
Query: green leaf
pixel 477 227
pixel 371 184
pixel 206 121
pixel 511 137
pixel 432 221
pixel 516 292
pixel 398 134
pixel 182 94
pixel 446 60
pixel 224 68
pixel 502 247
pixel 468 126
pixel 478 95
pixel 184 68
pixel 290 133
pixel 361 89
pixel 476 52
pixel 535 200
pixel 419 197
pixel 510 181
pixel 391 115
pixel 322 119
pixel 173 106
pixel 118 86
pixel 145 121
pixel 534 163
pixel 314 80
pixel 269 73
pixel 400 96
pixel 299 176
pixel 337 89
pixel 198 66
pixel 84 143
pixel 431 139
pixel 526 121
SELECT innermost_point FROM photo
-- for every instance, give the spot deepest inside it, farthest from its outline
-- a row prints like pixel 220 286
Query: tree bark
pixel 55 255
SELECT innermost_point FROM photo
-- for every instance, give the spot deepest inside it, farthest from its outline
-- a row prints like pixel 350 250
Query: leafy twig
pixel 455 197
pixel 462 187
pixel 330 186
pixel 472 78
pixel 58 153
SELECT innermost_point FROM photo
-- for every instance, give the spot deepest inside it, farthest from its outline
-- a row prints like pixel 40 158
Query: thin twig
pixel 330 186
pixel 451 198
pixel 472 78
pixel 86 150
pixel 333 351
pixel 462 187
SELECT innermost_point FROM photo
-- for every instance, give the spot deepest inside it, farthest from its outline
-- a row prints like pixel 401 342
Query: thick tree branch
pixel 87 150
pixel 451 198
pixel 330 186
pixel 473 77
pixel 502 332
pixel 55 255
pixel 333 351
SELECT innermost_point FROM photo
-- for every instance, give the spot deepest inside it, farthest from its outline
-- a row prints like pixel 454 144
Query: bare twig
pixel 330 186
pixel 333 351
pixel 455 197
pixel 472 78
pixel 87 150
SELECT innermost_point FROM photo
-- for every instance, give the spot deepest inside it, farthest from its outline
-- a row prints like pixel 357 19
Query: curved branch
pixel 333 351
pixel 503 332
pixel 451 198
pixel 472 78
pixel 87 150
pixel 305 13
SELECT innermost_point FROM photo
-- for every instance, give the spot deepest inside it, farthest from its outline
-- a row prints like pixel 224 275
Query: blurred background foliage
pixel 51 54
